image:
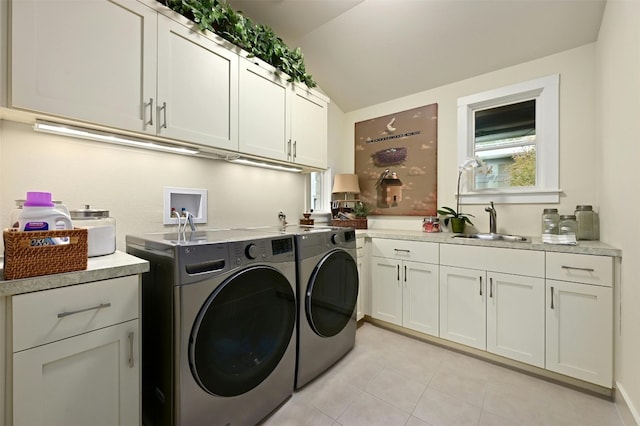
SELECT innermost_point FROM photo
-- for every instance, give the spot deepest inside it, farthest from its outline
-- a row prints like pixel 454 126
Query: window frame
pixel 545 91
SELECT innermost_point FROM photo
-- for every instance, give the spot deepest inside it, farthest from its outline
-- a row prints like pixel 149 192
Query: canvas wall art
pixel 396 162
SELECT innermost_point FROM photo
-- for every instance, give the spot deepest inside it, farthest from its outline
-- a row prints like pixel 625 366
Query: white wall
pixel 129 182
pixel 618 66
pixel 578 178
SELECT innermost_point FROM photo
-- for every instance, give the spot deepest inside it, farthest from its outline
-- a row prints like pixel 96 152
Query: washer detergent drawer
pixel 46 316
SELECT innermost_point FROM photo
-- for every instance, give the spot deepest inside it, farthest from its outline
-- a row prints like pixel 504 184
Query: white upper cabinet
pixel 264 105
pixel 93 61
pixel 124 65
pixel 280 120
pixel 197 88
pixel 308 128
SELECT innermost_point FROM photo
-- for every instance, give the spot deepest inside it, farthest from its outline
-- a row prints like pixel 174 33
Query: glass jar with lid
pixel 568 224
pixel 550 221
pixel 101 229
pixel 431 224
pixel 588 223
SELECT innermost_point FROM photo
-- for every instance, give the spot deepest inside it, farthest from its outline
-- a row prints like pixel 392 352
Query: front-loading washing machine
pixel 218 326
pixel 327 275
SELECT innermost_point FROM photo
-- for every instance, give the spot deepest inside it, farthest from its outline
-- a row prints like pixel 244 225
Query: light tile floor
pixel 389 379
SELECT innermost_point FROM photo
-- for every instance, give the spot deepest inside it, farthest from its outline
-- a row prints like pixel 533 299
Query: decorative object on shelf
pixel 356 219
pixel 306 219
pixel 389 188
pixel 233 26
pixel 396 157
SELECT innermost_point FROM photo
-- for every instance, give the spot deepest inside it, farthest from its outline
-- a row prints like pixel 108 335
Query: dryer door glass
pixel 242 331
pixel 332 293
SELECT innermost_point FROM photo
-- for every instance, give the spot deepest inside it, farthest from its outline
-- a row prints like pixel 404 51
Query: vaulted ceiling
pixel 363 52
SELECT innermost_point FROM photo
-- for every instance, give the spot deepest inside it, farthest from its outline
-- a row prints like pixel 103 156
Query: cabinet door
pixel 308 129
pixel 462 306
pixel 362 279
pixel 197 88
pixel 264 108
pixel 386 291
pixel 86 60
pixel 90 379
pixel 515 317
pixel 420 297
pixel 580 331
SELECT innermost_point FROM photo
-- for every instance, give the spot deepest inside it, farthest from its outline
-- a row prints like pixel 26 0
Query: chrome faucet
pixel 493 218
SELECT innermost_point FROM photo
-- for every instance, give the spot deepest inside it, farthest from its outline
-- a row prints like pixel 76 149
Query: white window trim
pixel 546 92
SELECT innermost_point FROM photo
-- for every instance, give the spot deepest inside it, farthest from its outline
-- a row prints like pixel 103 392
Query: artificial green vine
pixel 258 40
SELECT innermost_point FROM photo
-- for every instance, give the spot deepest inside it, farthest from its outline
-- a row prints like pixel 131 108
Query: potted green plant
pixel 456 218
pixel 259 40
pixel 361 210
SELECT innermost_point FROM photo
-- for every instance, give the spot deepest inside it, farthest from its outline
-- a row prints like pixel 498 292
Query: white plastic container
pixel 101 229
pixel 39 213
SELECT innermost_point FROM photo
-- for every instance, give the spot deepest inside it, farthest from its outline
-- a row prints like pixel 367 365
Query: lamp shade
pixel 346 183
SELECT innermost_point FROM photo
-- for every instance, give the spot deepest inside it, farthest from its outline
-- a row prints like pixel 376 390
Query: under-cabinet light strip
pixel 265 165
pixel 97 135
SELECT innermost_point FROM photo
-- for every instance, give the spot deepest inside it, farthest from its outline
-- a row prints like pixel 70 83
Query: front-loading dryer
pixel 327 297
pixel 218 319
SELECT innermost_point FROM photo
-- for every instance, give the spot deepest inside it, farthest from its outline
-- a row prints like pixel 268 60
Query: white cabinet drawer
pixel 509 261
pixel 582 268
pixel 50 315
pixel 417 251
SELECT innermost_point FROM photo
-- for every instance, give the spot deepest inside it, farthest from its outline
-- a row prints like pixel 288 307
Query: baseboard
pixel 625 407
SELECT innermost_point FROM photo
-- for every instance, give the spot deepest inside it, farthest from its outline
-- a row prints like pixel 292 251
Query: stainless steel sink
pixel 494 237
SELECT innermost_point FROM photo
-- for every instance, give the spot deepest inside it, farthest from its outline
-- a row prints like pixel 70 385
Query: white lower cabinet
pixel 579 317
pixel 405 292
pixel 463 310
pixel 502 313
pixel 515 317
pixel 76 356
pixel 552 310
pixel 91 379
pixel 363 279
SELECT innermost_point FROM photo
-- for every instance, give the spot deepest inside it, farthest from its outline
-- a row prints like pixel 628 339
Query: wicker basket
pixel 351 223
pixel 33 253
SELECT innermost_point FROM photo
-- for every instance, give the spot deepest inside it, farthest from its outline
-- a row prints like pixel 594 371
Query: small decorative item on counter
pixel 101 229
pixel 307 219
pixel 550 221
pixel 588 223
pixel 431 224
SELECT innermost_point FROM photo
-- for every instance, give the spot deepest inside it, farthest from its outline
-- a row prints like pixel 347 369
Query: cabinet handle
pixel 130 336
pixel 480 285
pixel 295 149
pixel 93 308
pixel 491 287
pixel 289 149
pixel 402 250
pixel 405 273
pixel 578 269
pixel 150 122
pixel 163 108
pixel 398 266
pixel 552 307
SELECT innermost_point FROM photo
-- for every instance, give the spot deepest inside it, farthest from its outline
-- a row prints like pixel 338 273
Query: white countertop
pixel 118 264
pixel 535 243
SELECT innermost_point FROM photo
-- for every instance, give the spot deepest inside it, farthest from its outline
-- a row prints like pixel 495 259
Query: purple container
pixel 38 199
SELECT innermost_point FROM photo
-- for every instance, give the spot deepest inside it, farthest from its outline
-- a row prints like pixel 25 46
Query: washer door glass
pixel 332 293
pixel 242 331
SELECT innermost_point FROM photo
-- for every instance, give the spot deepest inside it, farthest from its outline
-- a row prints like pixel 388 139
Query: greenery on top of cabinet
pixel 259 40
